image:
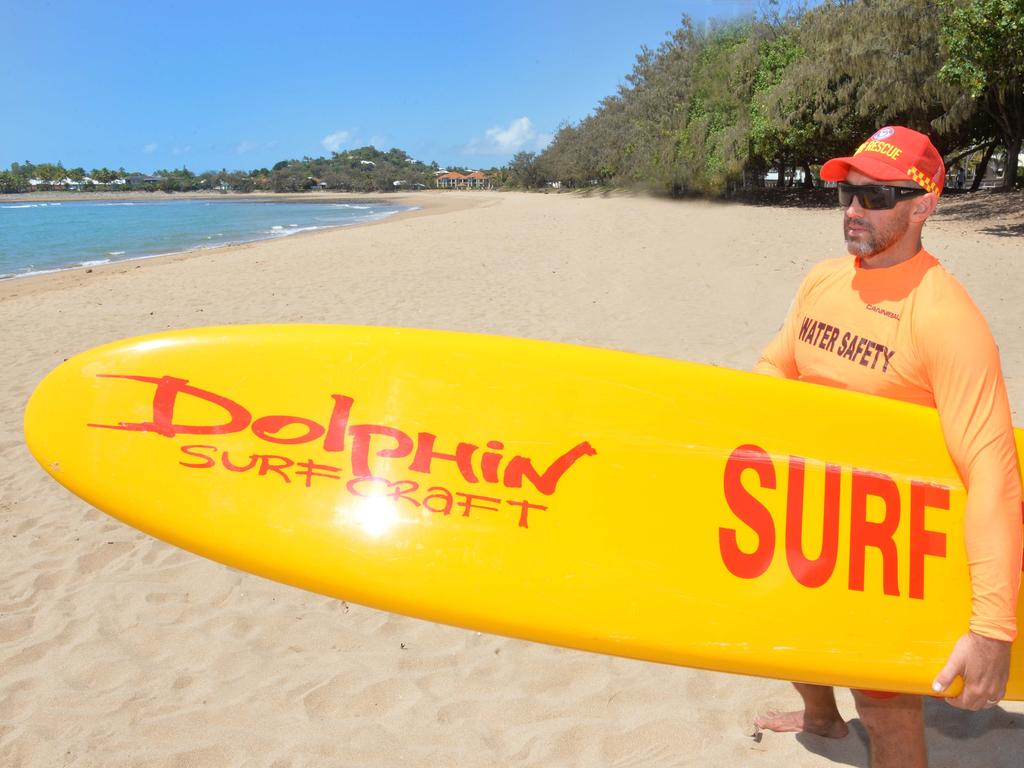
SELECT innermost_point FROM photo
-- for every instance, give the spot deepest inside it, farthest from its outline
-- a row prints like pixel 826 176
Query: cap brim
pixel 838 168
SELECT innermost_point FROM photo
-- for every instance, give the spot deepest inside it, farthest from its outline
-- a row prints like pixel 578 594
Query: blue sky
pixel 240 85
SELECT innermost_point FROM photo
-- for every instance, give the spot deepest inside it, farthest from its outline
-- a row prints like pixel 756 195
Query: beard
pixel 875 238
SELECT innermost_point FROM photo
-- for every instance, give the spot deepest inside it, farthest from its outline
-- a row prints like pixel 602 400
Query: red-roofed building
pixel 456 180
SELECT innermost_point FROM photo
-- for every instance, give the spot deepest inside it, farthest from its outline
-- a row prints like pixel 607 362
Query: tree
pixel 985 44
pixel 716 142
pixel 655 111
pixel 103 175
pixel 10 182
pixel 523 170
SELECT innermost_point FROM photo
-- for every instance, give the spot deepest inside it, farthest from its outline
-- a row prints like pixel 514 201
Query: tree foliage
pixel 710 110
pixel 359 170
pixel 984 40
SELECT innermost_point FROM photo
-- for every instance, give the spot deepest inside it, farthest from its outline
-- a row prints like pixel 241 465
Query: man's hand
pixel 984 664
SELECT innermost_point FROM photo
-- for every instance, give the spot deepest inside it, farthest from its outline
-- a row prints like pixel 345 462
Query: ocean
pixel 38 237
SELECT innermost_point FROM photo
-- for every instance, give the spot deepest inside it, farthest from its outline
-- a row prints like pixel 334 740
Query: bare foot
pixel 797 722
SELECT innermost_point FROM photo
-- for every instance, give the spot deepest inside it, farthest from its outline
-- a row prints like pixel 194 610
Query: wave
pixel 292 230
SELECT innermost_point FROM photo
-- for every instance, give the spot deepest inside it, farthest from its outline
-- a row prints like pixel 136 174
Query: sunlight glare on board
pixel 376 515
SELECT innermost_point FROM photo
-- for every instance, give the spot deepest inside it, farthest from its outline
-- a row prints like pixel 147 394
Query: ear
pixel 924 206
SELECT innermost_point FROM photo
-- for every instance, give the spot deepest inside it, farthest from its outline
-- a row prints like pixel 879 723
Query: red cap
pixel 893 153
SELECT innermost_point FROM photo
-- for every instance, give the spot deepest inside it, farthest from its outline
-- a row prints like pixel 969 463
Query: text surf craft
pixel 364 444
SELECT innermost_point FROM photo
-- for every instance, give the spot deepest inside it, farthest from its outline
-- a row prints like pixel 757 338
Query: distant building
pixel 141 180
pixel 473 180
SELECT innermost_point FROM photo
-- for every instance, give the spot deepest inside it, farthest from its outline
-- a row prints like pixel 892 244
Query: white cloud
pixel 182 150
pixel 517 135
pixel 334 141
pixel 149 149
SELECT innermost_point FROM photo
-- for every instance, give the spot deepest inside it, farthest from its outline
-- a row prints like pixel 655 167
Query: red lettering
pixel 520 467
pixel 924 542
pixel 399 489
pixel 750 511
pixel 812 573
pixel 468 502
pixel 265 425
pixel 425 453
pixel 337 426
pixel 490 461
pixel 445 496
pixel 361 438
pixel 310 470
pixel 191 450
pixel 164 398
pixel 281 429
pixel 864 534
pixel 225 459
pixel 524 510
pixel 268 464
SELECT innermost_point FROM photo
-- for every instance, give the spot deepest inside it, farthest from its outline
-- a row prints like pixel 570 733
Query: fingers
pixel 973 701
pixel 953 669
pixel 979 694
pixel 984 666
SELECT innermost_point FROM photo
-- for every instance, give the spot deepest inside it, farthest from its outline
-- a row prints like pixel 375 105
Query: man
pixel 940 353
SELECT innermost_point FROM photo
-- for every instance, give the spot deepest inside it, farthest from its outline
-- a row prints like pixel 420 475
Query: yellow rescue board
pixel 599 500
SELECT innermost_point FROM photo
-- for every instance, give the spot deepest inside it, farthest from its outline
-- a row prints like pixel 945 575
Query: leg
pixel 895 728
pixel 820 714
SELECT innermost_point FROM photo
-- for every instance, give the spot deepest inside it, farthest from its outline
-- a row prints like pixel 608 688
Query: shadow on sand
pixel 949 732
pixel 818 197
pixel 987 204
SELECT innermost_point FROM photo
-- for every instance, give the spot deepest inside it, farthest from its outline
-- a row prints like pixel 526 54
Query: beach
pixel 119 650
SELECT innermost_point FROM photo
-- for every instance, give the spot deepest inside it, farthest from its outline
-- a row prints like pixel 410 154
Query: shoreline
pixel 113 257
pixel 423 205
pixel 58 196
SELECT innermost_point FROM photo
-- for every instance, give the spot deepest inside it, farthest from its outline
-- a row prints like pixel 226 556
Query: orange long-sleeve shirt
pixel 911 332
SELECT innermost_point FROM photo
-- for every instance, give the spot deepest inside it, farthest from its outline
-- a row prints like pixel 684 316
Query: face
pixel 869 233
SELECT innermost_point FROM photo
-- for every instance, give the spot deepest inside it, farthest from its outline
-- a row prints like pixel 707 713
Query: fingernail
pixel 937 687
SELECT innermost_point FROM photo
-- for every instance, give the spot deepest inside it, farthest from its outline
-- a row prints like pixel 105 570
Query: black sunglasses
pixel 875 197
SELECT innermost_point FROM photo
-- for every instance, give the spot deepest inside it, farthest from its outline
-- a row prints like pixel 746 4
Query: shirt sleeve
pixel 779 357
pixel 970 395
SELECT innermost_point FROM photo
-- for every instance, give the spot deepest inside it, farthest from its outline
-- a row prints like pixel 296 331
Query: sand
pixel 118 650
